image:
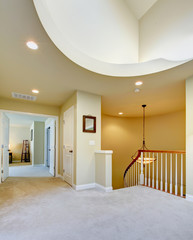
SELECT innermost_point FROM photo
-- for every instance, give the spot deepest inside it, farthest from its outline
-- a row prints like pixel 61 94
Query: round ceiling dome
pixel 119 38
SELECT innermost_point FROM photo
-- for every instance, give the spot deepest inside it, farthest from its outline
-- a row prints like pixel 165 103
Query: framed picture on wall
pixel 89 124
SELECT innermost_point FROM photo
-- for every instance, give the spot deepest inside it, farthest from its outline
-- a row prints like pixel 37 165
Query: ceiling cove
pixel 120 38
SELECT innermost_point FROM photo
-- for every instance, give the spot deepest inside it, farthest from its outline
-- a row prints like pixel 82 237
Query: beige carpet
pixel 29 171
pixel 48 209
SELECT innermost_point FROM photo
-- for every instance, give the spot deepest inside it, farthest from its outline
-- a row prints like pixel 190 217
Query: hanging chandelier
pixel 146 160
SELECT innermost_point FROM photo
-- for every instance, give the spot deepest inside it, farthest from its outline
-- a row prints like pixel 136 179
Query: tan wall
pixel 189 136
pixel 84 165
pixel 26 106
pixel 124 137
pixel 16 136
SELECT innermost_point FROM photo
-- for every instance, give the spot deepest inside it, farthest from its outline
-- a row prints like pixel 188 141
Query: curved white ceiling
pixel 117 38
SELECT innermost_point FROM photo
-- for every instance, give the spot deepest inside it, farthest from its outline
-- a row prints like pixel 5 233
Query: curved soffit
pixel 103 36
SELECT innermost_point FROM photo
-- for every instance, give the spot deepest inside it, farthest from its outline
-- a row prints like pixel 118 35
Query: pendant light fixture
pixel 146 160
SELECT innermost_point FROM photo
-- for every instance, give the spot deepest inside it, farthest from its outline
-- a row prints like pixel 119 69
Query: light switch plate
pixel 92 142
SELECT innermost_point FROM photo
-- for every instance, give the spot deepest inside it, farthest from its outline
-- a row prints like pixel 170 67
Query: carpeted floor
pixel 29 171
pixel 48 209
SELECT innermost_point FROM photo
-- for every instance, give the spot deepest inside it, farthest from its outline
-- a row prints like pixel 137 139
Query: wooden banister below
pixel 163 151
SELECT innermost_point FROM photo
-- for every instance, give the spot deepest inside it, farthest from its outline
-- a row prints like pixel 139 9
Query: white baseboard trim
pixel 39 165
pixel 90 186
pixel 106 189
pixel 189 197
pixel 83 186
pixel 60 176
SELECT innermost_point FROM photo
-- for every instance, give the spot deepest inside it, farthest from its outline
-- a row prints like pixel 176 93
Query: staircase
pixel 161 170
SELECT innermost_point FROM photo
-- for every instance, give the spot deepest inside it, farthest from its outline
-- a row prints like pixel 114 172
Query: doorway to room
pixel 28 145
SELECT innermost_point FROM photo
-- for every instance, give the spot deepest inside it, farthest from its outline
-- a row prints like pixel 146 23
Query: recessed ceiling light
pixel 136 90
pixel 120 113
pixel 138 83
pixel 32 45
pixel 35 91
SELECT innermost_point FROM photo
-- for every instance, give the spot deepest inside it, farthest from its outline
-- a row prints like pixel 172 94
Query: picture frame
pixel 89 124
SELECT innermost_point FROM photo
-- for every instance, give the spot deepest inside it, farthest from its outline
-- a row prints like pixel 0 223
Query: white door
pixel 52 149
pixel 68 145
pixel 4 145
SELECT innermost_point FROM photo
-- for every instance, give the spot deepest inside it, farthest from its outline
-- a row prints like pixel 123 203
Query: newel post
pixel 142 174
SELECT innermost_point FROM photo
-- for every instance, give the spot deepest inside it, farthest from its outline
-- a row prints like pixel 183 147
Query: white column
pixel 161 183
pixel 103 169
pixel 157 184
pixel 176 176
pixel 149 179
pixel 145 170
pixel 136 182
pixel 181 175
pixel 153 173
pixel 166 173
pixel 142 174
pixel 171 173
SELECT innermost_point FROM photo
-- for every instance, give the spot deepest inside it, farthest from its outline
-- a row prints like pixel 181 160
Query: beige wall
pixel 124 137
pixel 26 106
pixel 39 135
pixel 84 164
pixel 87 104
pixel 16 136
pixel 189 136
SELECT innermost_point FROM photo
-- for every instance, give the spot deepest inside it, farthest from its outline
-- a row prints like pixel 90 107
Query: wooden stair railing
pixel 165 171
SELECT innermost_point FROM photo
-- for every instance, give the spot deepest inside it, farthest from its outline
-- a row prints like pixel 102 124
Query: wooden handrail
pixel 163 151
pixel 152 151
pixel 134 160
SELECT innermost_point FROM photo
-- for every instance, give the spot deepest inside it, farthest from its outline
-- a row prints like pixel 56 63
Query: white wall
pixel 87 104
pixel 165 31
pixel 16 137
pixel 106 30
pixel 189 136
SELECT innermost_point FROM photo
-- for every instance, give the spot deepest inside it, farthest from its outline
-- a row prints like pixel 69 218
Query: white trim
pixel 83 186
pixel 189 197
pixel 90 186
pixel 104 151
pixel 57 130
pixel 60 176
pixel 106 189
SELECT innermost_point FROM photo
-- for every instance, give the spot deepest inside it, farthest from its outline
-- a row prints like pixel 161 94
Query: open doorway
pixel 28 142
